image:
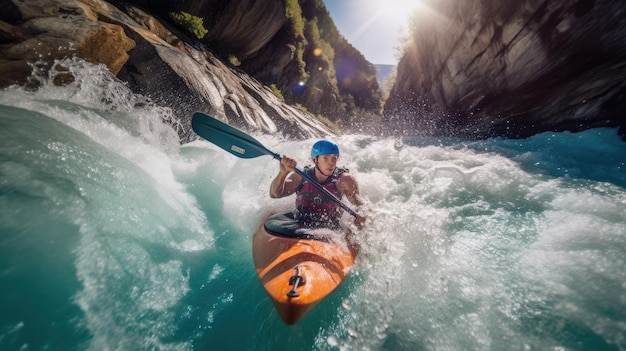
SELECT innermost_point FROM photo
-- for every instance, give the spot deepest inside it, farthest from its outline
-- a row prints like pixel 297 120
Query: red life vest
pixel 313 206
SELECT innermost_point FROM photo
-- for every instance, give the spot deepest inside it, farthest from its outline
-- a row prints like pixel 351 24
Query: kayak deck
pixel 298 273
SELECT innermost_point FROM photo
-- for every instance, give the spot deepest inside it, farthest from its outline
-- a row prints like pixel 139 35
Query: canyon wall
pixel 480 68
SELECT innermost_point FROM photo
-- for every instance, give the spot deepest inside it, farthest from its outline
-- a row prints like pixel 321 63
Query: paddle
pixel 242 145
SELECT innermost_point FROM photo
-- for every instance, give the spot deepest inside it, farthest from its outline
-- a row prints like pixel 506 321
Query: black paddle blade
pixel 228 138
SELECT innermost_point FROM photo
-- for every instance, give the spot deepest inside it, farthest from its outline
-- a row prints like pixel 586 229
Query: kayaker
pixel 313 208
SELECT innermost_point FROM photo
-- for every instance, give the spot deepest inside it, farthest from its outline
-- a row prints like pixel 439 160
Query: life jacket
pixel 313 207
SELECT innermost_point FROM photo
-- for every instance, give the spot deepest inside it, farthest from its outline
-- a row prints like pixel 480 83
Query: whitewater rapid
pixel 114 236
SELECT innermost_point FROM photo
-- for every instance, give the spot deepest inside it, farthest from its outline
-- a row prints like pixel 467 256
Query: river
pixel 113 236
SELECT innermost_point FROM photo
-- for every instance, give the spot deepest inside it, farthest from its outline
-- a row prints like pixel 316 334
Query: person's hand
pixel 287 164
pixel 359 221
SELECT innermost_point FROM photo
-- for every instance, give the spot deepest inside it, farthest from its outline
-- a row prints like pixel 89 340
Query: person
pixel 313 207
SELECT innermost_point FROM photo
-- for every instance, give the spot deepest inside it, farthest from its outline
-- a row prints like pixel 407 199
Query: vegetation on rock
pixel 277 92
pixel 190 23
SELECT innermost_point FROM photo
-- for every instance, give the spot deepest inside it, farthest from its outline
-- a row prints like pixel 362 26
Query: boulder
pixel 42 31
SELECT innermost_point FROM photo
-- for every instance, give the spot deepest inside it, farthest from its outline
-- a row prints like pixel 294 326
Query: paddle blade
pixel 228 138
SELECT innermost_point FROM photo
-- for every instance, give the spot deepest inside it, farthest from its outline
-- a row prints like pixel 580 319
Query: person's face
pixel 327 163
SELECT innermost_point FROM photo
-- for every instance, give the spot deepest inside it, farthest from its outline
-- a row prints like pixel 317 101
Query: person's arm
pixel 349 187
pixel 286 181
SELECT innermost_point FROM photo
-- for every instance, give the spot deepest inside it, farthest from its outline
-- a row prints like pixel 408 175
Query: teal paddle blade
pixel 228 138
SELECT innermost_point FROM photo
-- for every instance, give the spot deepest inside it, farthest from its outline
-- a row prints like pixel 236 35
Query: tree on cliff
pixel 338 69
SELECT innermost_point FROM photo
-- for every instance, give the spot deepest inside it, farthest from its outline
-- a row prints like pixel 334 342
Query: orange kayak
pixel 297 273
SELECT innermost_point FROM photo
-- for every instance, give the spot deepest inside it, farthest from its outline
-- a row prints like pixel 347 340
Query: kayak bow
pixel 298 273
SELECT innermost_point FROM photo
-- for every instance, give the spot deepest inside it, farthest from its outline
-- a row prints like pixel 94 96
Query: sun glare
pixel 376 27
pixel 386 15
pixel 395 11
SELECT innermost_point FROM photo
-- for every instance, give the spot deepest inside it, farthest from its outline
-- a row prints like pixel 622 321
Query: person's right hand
pixel 287 164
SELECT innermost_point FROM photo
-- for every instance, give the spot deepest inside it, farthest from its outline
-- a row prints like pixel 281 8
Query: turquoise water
pixel 114 237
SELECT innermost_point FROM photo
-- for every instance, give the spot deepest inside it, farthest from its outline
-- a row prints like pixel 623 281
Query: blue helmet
pixel 324 147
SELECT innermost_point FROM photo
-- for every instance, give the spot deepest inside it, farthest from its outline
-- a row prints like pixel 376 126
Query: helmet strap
pixel 317 167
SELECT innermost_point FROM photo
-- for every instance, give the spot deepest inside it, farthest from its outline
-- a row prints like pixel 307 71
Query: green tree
pixel 293 11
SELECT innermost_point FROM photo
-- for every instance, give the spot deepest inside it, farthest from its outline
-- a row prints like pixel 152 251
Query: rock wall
pixel 302 56
pixel 479 68
pixel 142 51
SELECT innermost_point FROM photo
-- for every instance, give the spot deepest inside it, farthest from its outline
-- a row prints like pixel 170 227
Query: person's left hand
pixel 359 221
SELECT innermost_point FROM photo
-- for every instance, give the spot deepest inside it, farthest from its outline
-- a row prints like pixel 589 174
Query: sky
pixel 374 27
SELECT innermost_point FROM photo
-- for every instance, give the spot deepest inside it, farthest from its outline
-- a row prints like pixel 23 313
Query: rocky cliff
pixel 472 68
pixel 139 44
pixel 479 68
pixel 292 45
